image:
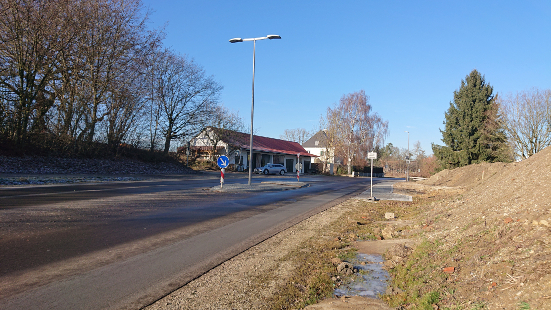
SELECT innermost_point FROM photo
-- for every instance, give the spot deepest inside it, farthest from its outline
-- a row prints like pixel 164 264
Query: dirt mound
pixel 497 233
pixel 468 176
pixel 519 185
pixel 474 175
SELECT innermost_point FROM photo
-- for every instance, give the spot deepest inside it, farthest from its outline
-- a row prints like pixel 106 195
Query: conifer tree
pixel 473 131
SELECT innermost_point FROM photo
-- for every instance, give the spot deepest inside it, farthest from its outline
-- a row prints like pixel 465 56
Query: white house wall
pixel 314 150
pixel 203 140
pixel 317 151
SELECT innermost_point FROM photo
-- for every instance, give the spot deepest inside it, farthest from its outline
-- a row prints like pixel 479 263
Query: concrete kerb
pixel 259 187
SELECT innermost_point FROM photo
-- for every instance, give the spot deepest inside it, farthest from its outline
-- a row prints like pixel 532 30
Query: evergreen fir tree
pixel 473 131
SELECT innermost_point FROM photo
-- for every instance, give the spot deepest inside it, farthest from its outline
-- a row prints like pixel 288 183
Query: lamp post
pixel 236 40
pixel 407 161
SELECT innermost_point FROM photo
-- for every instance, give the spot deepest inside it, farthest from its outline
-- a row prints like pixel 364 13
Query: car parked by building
pixel 271 169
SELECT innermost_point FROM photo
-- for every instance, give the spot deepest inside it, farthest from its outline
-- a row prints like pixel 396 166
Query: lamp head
pixel 273 36
pixel 235 40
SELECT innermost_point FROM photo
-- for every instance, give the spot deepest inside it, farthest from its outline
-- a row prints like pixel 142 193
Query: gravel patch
pixel 248 280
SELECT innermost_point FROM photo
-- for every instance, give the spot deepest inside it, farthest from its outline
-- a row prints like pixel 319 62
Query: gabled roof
pixel 320 136
pixel 262 144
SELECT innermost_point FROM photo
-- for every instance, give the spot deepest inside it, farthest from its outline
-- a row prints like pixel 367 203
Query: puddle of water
pixel 371 279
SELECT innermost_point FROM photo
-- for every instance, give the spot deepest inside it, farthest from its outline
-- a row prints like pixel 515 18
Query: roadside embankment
pixel 485 238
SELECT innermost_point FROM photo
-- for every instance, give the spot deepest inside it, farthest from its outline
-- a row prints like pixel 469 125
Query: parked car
pixel 271 169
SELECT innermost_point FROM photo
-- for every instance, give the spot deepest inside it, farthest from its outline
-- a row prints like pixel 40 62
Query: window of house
pixel 321 153
pixel 316 143
pixel 278 159
pixel 265 158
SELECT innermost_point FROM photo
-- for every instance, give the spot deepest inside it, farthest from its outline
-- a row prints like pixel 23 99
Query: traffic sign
pixel 223 161
pixel 372 156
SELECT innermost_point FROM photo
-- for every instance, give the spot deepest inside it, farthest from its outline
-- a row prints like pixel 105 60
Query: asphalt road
pixel 124 245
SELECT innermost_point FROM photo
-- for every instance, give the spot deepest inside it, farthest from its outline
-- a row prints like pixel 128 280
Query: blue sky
pixel 408 56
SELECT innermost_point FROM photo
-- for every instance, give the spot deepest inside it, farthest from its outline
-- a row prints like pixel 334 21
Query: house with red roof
pixel 213 142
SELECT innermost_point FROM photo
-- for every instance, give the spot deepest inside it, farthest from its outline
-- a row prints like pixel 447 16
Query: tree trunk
pixel 167 144
pixel 168 138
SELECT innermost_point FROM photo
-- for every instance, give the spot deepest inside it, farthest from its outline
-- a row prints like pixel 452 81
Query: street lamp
pixel 407 161
pixel 236 40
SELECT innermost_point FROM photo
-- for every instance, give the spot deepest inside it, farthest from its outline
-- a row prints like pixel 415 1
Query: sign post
pixel 372 156
pixel 222 162
pixel 298 167
pixel 188 146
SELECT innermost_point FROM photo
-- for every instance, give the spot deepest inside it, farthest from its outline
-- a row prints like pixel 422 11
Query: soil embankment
pixel 492 237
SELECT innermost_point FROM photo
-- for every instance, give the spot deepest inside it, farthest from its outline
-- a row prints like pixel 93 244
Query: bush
pixel 205 165
pixel 316 168
pixel 367 169
pixel 46 144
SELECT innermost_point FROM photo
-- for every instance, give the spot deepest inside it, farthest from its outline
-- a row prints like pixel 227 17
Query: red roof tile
pixel 262 144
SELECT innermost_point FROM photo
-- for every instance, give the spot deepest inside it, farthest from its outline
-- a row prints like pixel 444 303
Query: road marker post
pixel 222 162
pixel 298 167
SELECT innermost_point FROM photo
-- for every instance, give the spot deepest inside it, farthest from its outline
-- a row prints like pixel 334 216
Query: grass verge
pixel 315 276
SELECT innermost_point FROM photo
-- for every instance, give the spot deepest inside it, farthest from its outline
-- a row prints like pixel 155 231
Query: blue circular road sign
pixel 223 161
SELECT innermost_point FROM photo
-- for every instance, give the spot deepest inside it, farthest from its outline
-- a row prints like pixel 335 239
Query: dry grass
pixel 313 278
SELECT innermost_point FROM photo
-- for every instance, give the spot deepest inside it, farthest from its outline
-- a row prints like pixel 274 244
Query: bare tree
pixel 129 94
pixel 86 71
pixel 185 95
pixel 32 36
pixel 299 135
pixel 115 37
pixel 527 120
pixel 69 110
pixel 417 151
pixel 353 130
pixel 65 65
pixel 152 109
pixel 125 108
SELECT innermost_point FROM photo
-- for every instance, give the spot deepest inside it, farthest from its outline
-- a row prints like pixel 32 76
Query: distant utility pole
pixel 407 161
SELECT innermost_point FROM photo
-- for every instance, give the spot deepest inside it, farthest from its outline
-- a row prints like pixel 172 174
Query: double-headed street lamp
pixel 236 40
